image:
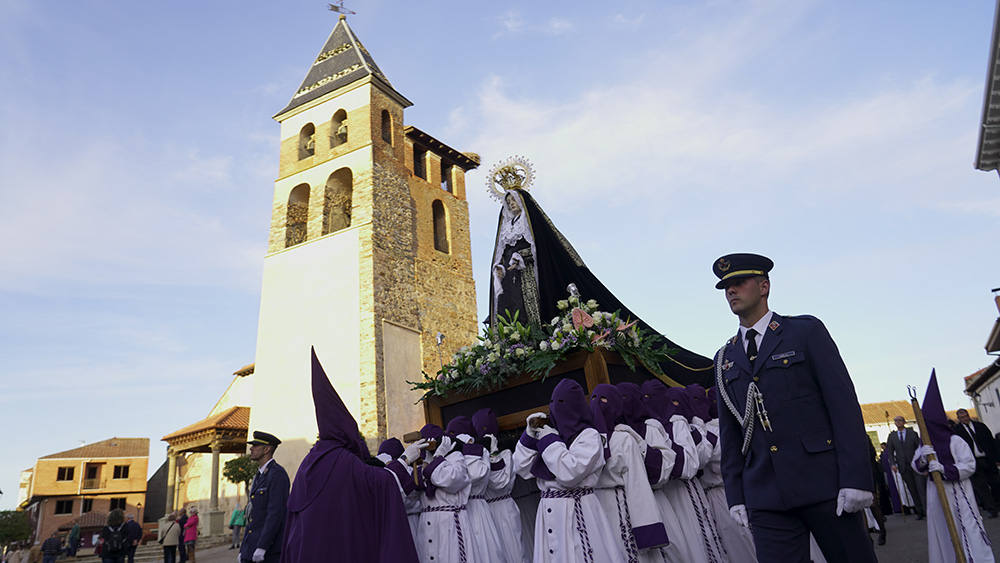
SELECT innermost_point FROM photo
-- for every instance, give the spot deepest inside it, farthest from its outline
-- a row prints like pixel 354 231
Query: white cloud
pixel 634 21
pixel 510 23
pixel 558 26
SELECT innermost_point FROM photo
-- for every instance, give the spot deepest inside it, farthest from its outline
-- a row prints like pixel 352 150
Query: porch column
pixel 216 447
pixel 171 477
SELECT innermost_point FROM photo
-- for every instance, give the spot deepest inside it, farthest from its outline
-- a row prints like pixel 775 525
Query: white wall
pixel 988 404
pixel 309 297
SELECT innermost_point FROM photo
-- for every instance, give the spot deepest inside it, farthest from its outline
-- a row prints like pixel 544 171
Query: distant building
pixel 988 147
pixel 88 481
pixel 983 386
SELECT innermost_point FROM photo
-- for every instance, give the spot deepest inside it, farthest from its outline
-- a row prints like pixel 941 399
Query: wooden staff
pixel 936 475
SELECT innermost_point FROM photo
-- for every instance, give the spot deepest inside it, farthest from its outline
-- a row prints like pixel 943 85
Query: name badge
pixel 783 355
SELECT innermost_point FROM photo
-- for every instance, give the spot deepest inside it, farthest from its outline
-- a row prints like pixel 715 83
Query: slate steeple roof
pixel 341 61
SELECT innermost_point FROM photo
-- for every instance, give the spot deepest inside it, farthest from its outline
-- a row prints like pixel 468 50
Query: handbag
pixel 160 541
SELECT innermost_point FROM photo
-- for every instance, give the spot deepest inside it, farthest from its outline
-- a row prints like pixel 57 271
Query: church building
pixel 368 258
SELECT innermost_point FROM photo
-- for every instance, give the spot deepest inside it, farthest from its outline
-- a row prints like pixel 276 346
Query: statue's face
pixel 512 204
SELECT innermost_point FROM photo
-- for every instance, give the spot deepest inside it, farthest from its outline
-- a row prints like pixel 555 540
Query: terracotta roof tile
pixel 112 447
pixel 234 417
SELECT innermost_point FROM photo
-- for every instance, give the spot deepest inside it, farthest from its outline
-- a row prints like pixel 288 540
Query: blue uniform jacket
pixel 817 443
pixel 265 519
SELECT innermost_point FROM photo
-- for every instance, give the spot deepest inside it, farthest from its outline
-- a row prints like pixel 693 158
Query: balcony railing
pixel 92 483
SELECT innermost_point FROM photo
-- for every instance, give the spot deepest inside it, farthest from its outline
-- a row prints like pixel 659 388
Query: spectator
pixel 182 519
pixel 901 445
pixel 133 533
pixel 51 548
pixel 236 525
pixel 191 533
pixel 114 541
pixel 73 541
pixel 985 481
pixel 169 537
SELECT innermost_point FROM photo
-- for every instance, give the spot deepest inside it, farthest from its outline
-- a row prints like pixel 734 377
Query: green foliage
pixel 240 470
pixel 14 526
pixel 511 348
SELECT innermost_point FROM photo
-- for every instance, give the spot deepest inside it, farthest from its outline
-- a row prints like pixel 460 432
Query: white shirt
pixel 975 447
pixel 263 468
pixel 759 326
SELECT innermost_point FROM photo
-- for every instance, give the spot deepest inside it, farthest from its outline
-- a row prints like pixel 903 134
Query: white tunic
pixel 485 539
pixel 705 448
pixel 559 536
pixel 658 439
pixel 625 494
pixel 736 539
pixel 440 540
pixel 964 511
pixel 506 516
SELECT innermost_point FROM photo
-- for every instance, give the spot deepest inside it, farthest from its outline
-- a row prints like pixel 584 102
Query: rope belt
pixel 625 525
pixel 496 499
pixel 477 497
pixel 581 524
pixel 454 509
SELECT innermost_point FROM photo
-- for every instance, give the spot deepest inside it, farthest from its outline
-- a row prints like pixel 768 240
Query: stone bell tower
pixel 368 256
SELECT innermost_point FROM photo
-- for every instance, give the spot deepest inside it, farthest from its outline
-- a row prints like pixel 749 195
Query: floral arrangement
pixel 512 348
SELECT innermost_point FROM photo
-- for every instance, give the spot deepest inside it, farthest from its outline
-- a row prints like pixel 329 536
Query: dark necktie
pixel 751 337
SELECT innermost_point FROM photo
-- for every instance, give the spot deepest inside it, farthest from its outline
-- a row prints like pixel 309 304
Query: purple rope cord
pixel 701 523
pixel 581 524
pixel 495 499
pixel 979 522
pixel 458 526
pixel 712 525
pixel 625 526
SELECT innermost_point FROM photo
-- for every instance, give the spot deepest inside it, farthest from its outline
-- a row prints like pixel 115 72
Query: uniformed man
pixel 265 512
pixel 794 461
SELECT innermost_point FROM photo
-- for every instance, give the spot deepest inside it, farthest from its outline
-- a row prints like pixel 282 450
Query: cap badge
pixel 723 265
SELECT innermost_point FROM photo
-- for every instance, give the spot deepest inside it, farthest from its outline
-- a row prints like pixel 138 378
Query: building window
pixel 88 505
pixel 64 474
pixel 121 472
pixel 117 502
pixel 338 128
pixel 64 507
pixel 446 177
pixel 386 126
pixel 307 141
pixel 337 201
pixel 420 162
pixel 297 215
pixel 440 226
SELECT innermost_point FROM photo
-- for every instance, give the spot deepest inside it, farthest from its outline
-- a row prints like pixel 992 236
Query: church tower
pixel 368 256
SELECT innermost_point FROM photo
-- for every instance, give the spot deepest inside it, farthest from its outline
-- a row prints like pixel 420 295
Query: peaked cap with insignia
pixel 732 268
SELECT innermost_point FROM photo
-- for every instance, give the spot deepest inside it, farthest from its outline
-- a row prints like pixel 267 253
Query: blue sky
pixel 138 155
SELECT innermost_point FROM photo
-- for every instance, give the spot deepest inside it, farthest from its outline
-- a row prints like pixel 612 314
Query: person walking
pixel 793 457
pixel 900 447
pixel 114 539
pixel 236 522
pixel 169 536
pixel 133 533
pixel 265 512
pixel 191 533
pixel 986 479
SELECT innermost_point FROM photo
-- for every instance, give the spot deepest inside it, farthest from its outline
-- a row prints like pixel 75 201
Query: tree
pixel 14 526
pixel 240 470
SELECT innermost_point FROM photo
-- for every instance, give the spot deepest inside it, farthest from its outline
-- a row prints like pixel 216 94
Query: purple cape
pixel 339 504
pixel 633 408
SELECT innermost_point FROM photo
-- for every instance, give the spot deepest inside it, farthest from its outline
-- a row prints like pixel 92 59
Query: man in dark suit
pixel 900 447
pixel 265 512
pixel 985 481
pixel 796 461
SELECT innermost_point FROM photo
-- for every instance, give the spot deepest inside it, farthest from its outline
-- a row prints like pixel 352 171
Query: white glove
pixel 493 443
pixel 412 452
pixel 545 431
pixel 853 500
pixel 444 448
pixel 465 438
pixel 531 430
pixel 935 465
pixel 924 451
pixel 258 554
pixel 739 513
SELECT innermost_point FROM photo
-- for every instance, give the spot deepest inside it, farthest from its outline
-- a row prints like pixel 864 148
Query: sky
pixel 138 156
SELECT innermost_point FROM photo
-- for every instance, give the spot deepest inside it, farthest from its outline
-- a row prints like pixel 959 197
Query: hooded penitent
pixel 938 428
pixel 656 398
pixel 485 422
pixel 633 408
pixel 569 410
pixel 700 402
pixel 460 425
pixel 684 406
pixel 713 403
pixel 389 450
pixel 431 432
pixel 337 499
pixel 606 405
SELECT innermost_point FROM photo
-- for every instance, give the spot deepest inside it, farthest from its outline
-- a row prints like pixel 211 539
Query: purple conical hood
pixel 569 410
pixel 606 404
pixel 485 422
pixel 431 432
pixel 460 425
pixel 699 401
pixel 332 417
pixel 937 422
pixel 633 408
pixel 392 446
pixel 713 403
pixel 657 401
pixel 682 402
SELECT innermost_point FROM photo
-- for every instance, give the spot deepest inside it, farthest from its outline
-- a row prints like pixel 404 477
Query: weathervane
pixel 340 9
pixel 512 173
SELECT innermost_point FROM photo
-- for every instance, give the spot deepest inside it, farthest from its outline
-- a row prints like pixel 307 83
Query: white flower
pixel 519 352
pixel 491 357
pixel 487 343
pixel 479 363
pixel 555 321
pixel 562 304
pixel 574 300
pixel 555 345
pixel 567 327
pixel 515 336
pixel 591 303
pixel 591 333
pixel 543 345
pixel 498 349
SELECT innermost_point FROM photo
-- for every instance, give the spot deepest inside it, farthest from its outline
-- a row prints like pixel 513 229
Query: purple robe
pixel 341 508
pixel 895 501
